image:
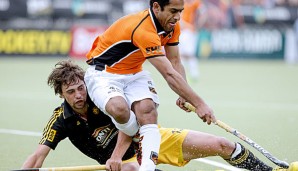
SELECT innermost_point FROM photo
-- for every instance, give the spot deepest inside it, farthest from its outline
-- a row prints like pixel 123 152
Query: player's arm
pixel 172 53
pixel 180 86
pixel 36 159
pixel 175 79
pixel 123 143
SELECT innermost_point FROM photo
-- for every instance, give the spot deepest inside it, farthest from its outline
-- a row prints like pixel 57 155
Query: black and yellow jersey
pixel 95 137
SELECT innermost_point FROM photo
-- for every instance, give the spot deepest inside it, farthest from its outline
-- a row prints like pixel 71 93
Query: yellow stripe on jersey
pixel 48 132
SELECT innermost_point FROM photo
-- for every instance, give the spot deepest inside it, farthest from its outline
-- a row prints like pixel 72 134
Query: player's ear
pixel 61 96
pixel 156 7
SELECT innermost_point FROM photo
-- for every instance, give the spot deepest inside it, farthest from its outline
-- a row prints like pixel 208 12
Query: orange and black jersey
pixel 96 137
pixel 125 45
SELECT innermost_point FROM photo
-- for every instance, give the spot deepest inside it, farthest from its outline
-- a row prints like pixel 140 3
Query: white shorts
pixel 187 42
pixel 102 86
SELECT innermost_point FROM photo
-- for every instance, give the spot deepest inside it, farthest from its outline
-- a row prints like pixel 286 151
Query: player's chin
pixel 169 29
pixel 79 105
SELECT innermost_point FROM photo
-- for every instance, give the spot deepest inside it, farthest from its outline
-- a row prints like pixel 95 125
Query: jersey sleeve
pixel 53 133
pixel 148 42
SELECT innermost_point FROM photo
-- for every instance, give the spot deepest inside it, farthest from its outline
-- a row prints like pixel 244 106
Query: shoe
pixel 279 169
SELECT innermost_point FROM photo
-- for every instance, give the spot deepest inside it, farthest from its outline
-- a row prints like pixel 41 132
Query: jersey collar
pixel 67 110
pixel 155 22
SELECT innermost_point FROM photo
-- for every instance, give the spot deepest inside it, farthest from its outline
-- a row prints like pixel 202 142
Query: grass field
pixel 259 98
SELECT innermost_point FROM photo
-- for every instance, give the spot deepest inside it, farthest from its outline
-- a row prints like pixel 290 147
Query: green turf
pixel 259 98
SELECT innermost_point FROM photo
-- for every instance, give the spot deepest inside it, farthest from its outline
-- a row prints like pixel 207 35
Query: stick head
pixel 293 166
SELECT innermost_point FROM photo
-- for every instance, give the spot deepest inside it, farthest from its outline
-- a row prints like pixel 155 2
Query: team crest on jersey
pixel 167 36
pixel 95 110
pixel 152 90
pixel 153 50
pixel 170 35
pixel 52 135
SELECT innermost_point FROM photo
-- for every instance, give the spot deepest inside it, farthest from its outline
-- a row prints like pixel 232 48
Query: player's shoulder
pixel 134 17
pixel 56 117
pixel 58 111
pixel 146 25
pixel 140 15
pixel 129 24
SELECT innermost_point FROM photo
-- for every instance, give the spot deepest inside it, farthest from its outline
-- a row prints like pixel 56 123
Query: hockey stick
pixel 71 168
pixel 244 138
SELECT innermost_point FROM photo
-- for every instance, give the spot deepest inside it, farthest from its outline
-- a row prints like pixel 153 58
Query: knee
pixel 226 147
pixel 121 114
pixel 146 112
pixel 224 143
pixel 120 111
pixel 130 167
pixel 148 109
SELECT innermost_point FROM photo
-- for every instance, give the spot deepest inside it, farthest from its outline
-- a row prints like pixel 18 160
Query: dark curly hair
pixel 162 3
pixel 65 73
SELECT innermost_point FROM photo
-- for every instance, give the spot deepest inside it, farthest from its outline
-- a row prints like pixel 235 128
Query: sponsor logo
pixel 177 131
pixel 153 50
pixel 30 42
pixel 113 89
pixel 103 135
pixel 52 135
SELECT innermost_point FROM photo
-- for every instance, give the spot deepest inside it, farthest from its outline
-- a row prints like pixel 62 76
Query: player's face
pixel 170 15
pixel 75 94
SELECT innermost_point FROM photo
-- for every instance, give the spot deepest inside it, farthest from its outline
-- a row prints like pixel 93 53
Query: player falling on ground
pixel 95 135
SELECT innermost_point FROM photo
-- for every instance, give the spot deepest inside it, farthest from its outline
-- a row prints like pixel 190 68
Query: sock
pixel 243 158
pixel 149 147
pixel 130 128
pixel 236 151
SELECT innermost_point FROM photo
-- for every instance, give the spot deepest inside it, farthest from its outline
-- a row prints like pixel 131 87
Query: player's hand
pixel 180 102
pixel 205 113
pixel 113 164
